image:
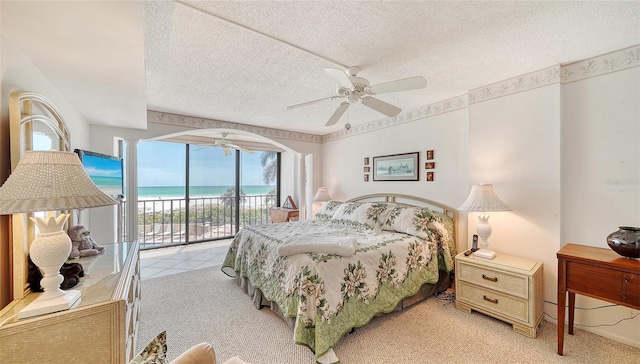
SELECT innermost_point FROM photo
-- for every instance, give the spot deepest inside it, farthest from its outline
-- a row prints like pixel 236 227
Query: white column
pixel 308 186
pixel 131 189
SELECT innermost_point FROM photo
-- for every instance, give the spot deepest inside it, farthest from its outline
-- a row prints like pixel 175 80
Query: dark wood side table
pixel 595 272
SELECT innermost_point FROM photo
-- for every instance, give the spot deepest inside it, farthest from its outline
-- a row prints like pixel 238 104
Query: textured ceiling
pixel 246 61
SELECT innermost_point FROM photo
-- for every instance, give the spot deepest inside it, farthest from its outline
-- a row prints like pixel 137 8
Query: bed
pixel 354 260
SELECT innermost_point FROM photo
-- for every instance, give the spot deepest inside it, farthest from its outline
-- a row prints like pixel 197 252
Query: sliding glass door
pixel 193 193
pixel 212 185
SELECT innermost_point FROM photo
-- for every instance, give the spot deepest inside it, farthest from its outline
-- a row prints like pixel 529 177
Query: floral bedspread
pixel 328 295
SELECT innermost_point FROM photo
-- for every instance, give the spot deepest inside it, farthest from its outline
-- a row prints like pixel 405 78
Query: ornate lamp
pixel 483 198
pixel 48 181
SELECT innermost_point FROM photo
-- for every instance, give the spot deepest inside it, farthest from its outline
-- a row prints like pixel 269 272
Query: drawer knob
pixel 492 279
pixel 489 299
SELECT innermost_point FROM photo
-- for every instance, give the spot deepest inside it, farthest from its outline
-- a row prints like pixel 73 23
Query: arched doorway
pixel 201 207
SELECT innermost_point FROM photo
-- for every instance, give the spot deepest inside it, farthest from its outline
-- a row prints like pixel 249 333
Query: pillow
pixel 327 210
pixel 410 220
pixel 154 353
pixel 363 215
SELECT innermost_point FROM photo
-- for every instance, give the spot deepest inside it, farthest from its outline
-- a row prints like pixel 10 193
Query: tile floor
pixel 183 258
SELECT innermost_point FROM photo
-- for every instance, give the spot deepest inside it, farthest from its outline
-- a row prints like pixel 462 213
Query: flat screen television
pixel 104 170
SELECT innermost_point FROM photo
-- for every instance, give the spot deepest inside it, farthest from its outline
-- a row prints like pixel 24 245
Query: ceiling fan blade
pixel 340 77
pixel 227 151
pixel 381 106
pixel 337 114
pixel 311 102
pixel 240 148
pixel 411 83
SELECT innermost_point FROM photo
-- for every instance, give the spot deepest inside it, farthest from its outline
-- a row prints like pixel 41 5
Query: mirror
pixel 34 124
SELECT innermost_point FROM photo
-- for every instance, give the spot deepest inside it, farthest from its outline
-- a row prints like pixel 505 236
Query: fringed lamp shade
pixel 48 181
pixel 483 198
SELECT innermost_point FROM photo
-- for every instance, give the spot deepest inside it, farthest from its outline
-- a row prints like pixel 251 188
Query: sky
pixel 163 164
pixel 105 167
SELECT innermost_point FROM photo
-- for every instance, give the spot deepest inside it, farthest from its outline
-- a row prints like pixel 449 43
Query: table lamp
pixel 48 181
pixel 322 195
pixel 483 198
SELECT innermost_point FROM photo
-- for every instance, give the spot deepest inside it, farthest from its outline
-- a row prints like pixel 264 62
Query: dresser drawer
pixel 595 281
pixel 517 285
pixel 631 287
pixel 491 300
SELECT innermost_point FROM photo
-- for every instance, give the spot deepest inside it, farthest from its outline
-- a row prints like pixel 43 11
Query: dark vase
pixel 625 241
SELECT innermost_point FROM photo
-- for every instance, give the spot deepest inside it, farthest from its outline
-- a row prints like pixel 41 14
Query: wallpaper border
pixel 529 81
pixel 200 123
pixel 603 64
pixel 595 66
pixel 452 104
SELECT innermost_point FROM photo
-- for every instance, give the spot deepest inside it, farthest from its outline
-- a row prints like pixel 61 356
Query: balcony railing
pixel 167 222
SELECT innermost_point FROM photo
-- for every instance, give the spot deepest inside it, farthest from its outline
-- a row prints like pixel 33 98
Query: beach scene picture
pixel 401 167
pixel 105 172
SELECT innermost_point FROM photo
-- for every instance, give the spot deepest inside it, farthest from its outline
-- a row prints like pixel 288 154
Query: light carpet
pixel 206 305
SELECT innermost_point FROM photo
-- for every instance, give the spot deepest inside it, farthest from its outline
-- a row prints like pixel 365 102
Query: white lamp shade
pixel 50 180
pixel 483 198
pixel 322 195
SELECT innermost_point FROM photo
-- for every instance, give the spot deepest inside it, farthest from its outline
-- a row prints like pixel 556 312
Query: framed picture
pixel 430 165
pixel 429 176
pixel 397 167
pixel 366 178
pixel 367 169
pixel 366 161
pixel 429 154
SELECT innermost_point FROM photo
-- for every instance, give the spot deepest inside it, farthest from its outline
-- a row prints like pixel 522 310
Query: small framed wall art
pixel 430 154
pixel 430 165
pixel 429 176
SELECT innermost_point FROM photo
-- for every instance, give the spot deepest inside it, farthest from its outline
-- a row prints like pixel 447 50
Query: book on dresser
pixel 101 329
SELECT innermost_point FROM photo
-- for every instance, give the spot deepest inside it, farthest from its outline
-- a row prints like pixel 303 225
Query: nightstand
pixel 505 287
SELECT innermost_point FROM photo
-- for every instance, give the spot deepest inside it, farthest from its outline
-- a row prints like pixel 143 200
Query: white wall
pixel 600 156
pixel 19 74
pixel 445 134
pixel 514 144
pixel 600 177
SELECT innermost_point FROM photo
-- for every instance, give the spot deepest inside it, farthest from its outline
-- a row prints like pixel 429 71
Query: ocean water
pixel 111 186
pixel 154 192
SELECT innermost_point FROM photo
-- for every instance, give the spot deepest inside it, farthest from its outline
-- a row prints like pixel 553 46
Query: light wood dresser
pixel 101 329
pixel 505 287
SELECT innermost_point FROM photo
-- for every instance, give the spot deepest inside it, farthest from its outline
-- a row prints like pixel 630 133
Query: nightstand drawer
pixel 491 300
pixel 517 285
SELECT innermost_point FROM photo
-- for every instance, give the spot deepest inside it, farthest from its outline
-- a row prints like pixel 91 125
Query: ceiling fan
pixel 227 145
pixel 354 89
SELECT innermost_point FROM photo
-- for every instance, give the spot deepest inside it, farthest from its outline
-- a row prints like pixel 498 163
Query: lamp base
pixel 484 253
pixel 39 306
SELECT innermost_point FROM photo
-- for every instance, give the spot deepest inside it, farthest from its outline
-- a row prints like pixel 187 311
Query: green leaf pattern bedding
pixel 328 295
